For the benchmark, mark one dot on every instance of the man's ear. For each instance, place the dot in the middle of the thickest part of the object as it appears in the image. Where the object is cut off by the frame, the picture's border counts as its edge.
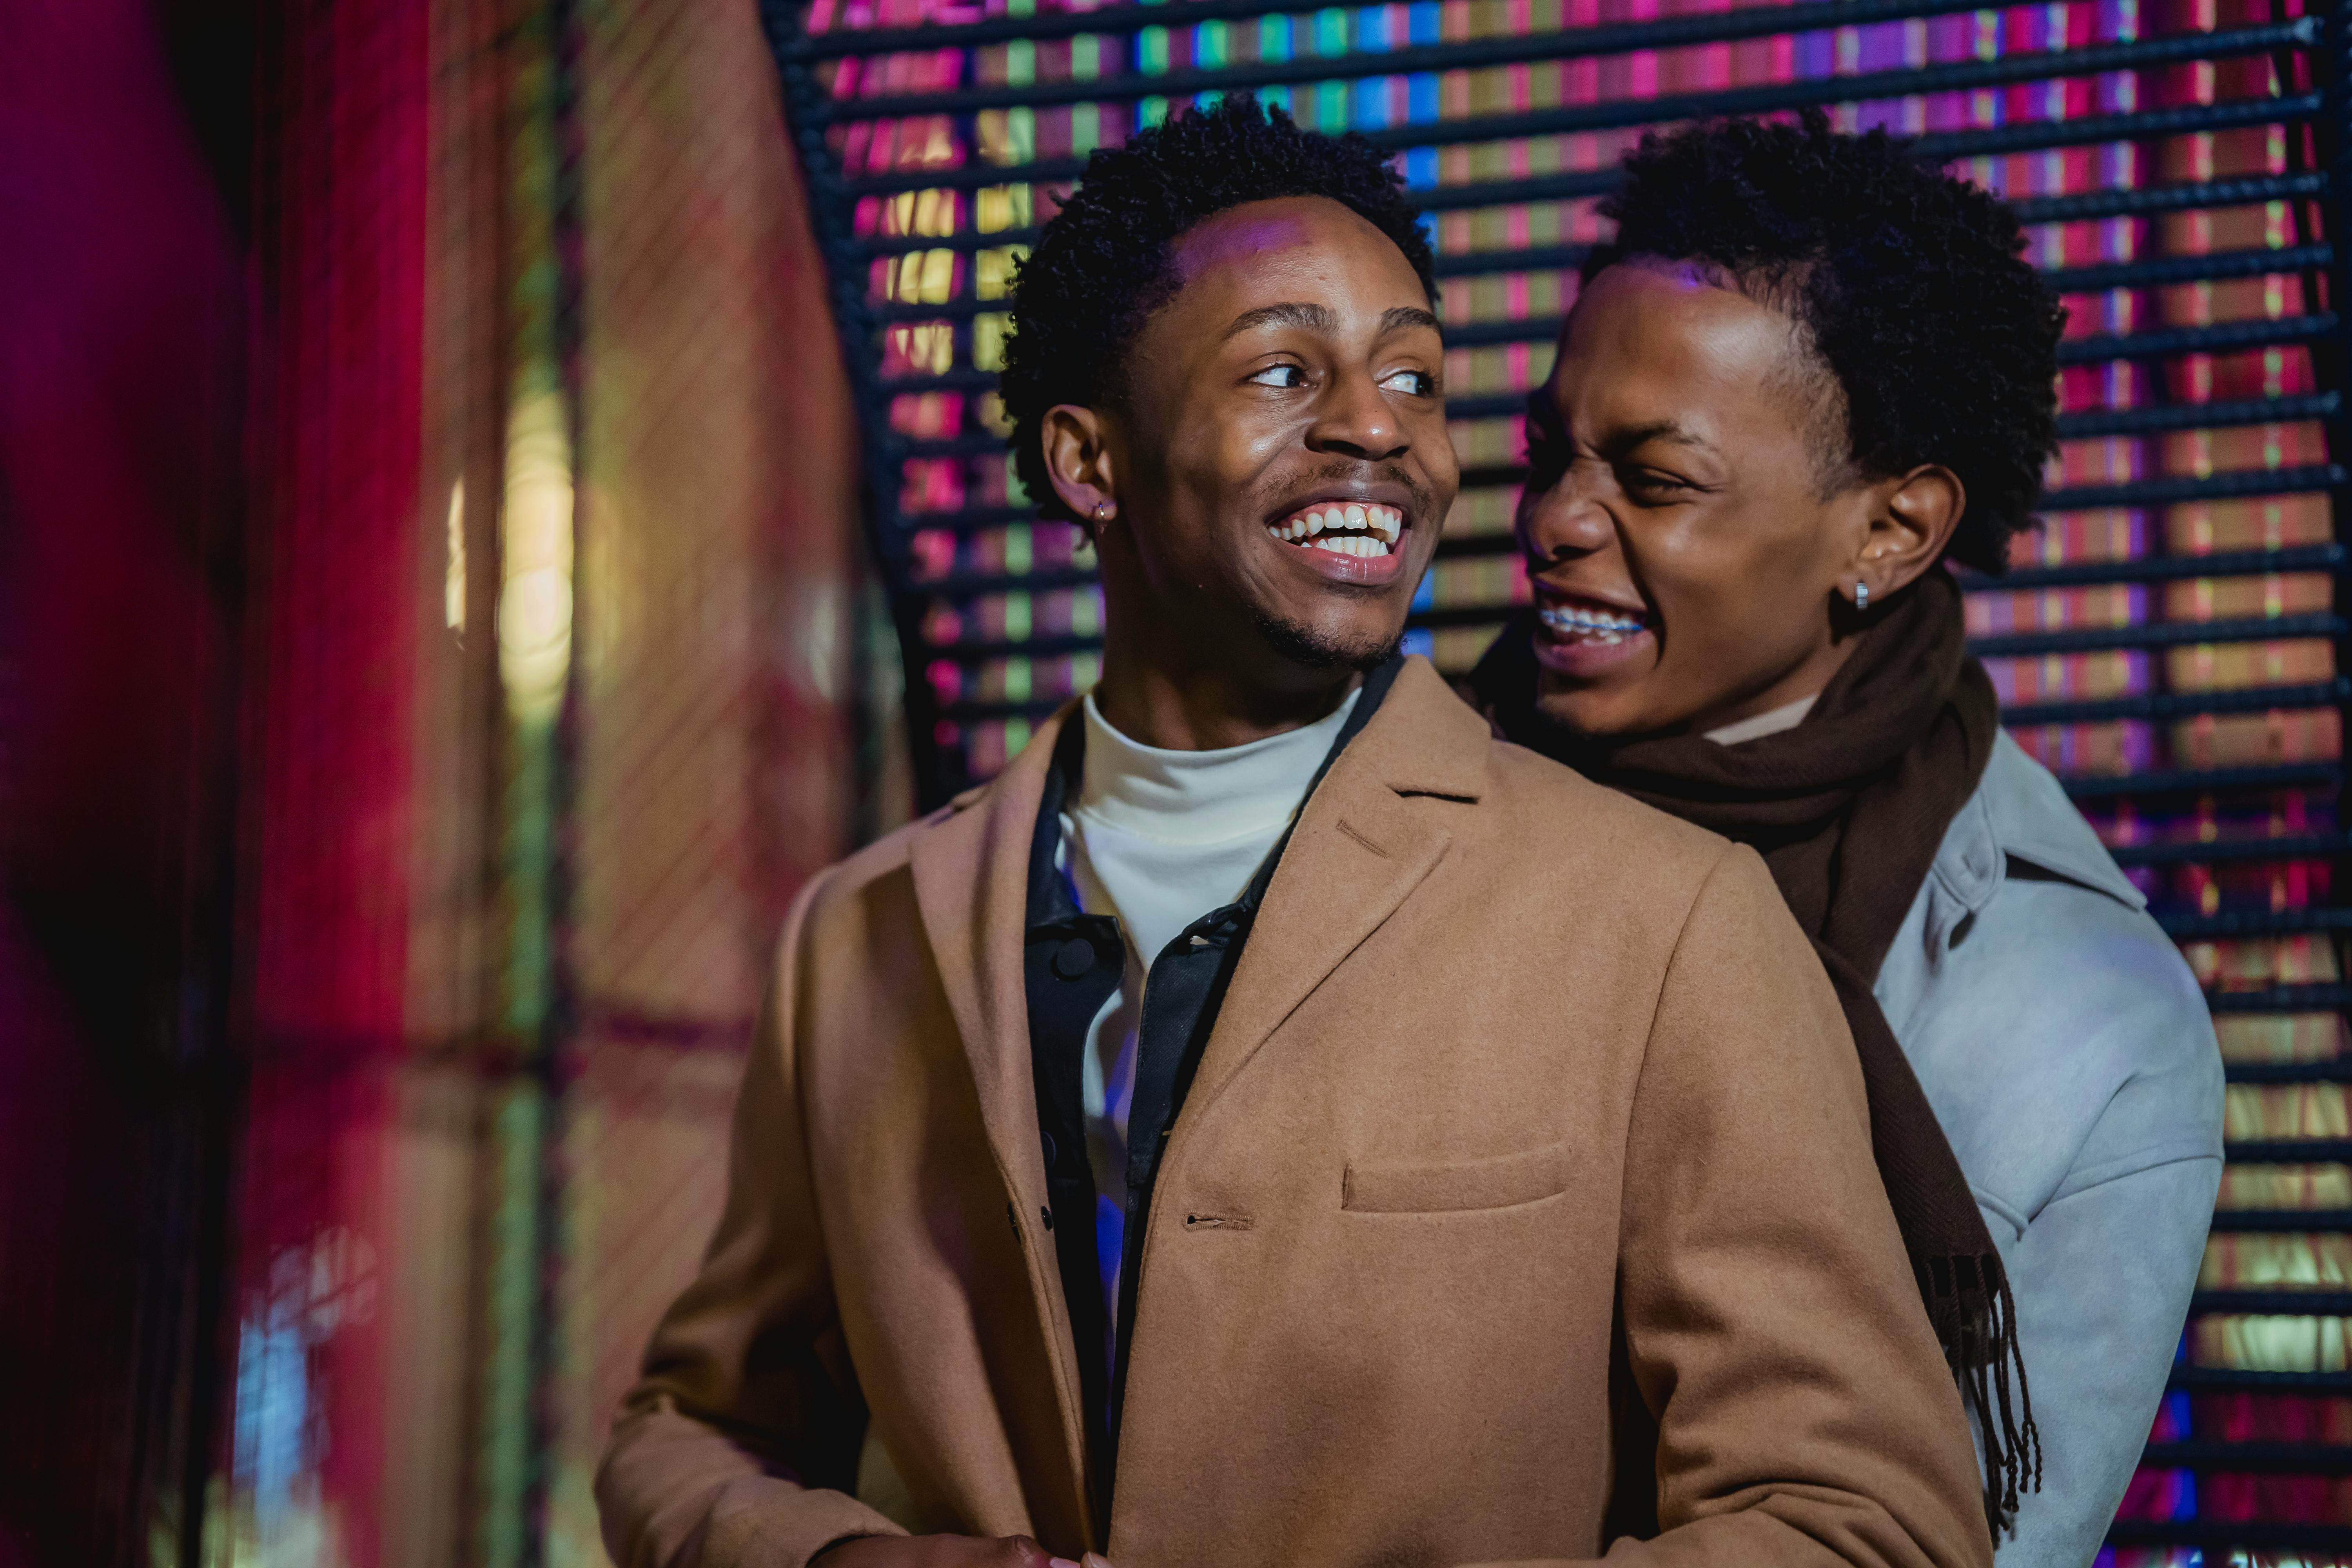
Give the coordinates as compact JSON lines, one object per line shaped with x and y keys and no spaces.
{"x":1076,"y":444}
{"x":1911,"y":519}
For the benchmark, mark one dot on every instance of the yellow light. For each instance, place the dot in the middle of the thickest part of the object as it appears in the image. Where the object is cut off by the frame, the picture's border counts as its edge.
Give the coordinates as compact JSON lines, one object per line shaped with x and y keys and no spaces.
{"x":535,"y":590}
{"x":453,"y":580}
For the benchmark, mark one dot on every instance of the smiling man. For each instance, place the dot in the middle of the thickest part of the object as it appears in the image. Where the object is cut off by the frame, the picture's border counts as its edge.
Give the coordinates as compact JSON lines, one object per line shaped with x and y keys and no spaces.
{"x":1274,"y":1122}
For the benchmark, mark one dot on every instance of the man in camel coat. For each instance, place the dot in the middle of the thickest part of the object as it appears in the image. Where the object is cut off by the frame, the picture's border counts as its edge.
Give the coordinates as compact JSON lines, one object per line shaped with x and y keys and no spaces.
{"x":1274,"y":1122}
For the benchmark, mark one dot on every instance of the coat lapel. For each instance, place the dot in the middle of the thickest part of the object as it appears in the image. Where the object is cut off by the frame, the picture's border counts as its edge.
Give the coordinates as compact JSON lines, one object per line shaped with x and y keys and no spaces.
{"x":971,"y":869}
{"x":1359,"y":851}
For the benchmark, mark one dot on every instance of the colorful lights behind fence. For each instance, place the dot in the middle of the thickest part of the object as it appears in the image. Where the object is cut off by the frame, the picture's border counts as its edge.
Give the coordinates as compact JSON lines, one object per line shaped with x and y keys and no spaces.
{"x":2168,"y":642}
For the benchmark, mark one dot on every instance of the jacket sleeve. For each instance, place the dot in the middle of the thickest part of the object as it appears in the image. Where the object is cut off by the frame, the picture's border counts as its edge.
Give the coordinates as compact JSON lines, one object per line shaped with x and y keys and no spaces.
{"x":729,"y":1451}
{"x":2096,"y":1358}
{"x":2104,"y":1272}
{"x":1772,"y":1324}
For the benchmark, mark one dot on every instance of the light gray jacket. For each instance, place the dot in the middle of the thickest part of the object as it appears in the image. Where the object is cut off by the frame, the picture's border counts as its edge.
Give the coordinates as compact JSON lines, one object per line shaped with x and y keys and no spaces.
{"x":2068,"y":1054}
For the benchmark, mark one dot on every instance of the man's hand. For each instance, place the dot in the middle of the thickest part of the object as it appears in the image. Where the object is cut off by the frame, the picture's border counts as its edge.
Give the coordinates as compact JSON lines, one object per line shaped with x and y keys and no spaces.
{"x":944,"y":1551}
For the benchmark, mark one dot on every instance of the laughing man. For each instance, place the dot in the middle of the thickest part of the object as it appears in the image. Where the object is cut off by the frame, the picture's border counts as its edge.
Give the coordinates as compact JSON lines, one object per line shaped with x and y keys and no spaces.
{"x":1274,"y":1122}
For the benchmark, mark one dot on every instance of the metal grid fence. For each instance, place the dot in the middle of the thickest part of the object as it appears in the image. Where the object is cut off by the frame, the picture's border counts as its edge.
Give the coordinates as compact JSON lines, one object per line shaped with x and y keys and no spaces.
{"x":2168,"y":642}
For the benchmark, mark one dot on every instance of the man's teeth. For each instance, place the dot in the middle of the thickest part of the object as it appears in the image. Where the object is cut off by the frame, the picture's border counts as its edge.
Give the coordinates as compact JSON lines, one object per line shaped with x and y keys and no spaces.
{"x":1343,"y":527}
{"x":1591,"y":626}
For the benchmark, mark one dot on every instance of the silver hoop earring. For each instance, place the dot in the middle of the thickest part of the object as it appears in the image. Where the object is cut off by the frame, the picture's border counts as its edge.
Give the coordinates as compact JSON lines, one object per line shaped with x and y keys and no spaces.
{"x":1102,"y":511}
{"x":1861,"y":596}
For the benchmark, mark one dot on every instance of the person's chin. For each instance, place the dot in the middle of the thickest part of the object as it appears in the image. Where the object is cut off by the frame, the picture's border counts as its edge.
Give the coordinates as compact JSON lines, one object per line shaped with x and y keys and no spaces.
{"x":1329,"y":632}
{"x":1589,"y":706}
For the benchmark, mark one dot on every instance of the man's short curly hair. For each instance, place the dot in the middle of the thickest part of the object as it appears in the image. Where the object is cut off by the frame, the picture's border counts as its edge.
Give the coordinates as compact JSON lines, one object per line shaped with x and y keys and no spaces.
{"x":1102,"y":265}
{"x":1911,"y":286}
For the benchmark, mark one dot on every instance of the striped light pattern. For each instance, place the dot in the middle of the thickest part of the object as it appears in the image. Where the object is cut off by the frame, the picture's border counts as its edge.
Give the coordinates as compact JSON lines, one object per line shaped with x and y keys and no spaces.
{"x":2169,"y":641}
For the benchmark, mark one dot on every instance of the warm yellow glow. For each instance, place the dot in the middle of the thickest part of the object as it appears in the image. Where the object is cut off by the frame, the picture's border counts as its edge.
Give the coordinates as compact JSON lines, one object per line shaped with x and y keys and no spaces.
{"x":928,"y":347}
{"x":987,"y":342}
{"x":453,"y":581}
{"x":1001,"y":207}
{"x":992,"y":271}
{"x":535,"y":531}
{"x":923,"y":277}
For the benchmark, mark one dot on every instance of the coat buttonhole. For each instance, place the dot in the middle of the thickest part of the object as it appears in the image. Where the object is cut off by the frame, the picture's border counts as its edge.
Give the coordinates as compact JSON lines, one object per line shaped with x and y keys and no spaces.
{"x":1216,"y":1222}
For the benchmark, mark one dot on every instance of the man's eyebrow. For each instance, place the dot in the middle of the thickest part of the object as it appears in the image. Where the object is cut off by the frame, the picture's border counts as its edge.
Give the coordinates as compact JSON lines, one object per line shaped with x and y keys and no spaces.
{"x":1666,"y":430}
{"x":1400,"y":316}
{"x":1313,"y":317}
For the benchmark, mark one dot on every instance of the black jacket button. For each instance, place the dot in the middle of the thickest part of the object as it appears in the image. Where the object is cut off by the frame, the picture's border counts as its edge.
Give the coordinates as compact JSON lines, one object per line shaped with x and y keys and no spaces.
{"x":1074,"y":958}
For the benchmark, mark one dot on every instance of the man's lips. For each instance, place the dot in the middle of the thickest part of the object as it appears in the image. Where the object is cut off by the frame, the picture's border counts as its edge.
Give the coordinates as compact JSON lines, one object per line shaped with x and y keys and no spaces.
{"x":1365,"y":530}
{"x":1345,"y":540}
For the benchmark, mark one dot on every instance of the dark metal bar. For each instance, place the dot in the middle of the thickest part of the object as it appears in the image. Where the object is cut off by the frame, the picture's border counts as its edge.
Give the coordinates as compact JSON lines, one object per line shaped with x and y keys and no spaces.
{"x":1572,"y":184}
{"x":2312,"y":1458}
{"x":2082,"y":425}
{"x":1943,"y":146}
{"x":2149,"y":273}
{"x":2275,"y":922}
{"x":1116,"y":21}
{"x":2162,"y":269}
{"x":2283,"y":1000}
{"x":2221,"y":337}
{"x":2316,"y":1000}
{"x":2147,"y":569}
{"x":974,"y":709}
{"x":1765,"y":98}
{"x":2219,"y":1536}
{"x":2239,"y":192}
{"x":2226,"y":1377}
{"x":958,"y":588}
{"x":2164,"y":568}
{"x":2337,"y":1071}
{"x":2216,"y":486}
{"x":1047,"y":646}
{"x":2143,"y":125}
{"x":978,"y":444}
{"x":2156,"y":705}
{"x":2147,"y":634}
{"x":2202,"y":781}
{"x":2289,"y":1151}
{"x":2284,"y":1303}
{"x":2156,"y":633}
{"x":2086,"y":423}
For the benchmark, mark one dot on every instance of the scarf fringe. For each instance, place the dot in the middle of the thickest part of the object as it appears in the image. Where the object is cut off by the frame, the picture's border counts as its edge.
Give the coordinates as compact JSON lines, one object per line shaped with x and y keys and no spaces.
{"x":1975,"y":1320}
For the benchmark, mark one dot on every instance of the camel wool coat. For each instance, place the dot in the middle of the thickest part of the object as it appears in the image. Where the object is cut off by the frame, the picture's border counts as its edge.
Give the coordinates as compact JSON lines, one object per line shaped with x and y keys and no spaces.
{"x":1525,"y":1101}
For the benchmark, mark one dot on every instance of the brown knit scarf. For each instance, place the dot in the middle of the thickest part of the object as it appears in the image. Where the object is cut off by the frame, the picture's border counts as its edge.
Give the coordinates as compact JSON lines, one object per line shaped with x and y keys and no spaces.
{"x":1848,"y":809}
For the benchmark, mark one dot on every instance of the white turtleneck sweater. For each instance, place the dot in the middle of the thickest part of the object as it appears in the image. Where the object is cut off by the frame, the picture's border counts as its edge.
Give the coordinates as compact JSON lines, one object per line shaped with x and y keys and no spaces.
{"x":1773,"y":721}
{"x":1156,"y":839}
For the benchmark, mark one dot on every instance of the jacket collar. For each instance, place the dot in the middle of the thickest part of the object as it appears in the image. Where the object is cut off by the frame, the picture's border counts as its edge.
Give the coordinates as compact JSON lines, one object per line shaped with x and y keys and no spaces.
{"x":2019,"y":810}
{"x":1355,"y":853}
{"x":972,"y":868}
{"x":1358,"y":849}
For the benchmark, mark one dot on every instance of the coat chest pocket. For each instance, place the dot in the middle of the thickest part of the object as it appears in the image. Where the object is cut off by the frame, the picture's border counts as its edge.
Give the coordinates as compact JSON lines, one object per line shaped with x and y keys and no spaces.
{"x":1500,"y":1181}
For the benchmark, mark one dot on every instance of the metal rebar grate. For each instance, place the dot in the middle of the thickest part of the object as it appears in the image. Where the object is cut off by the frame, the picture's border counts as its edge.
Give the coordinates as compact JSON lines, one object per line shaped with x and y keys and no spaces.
{"x":2168,"y":642}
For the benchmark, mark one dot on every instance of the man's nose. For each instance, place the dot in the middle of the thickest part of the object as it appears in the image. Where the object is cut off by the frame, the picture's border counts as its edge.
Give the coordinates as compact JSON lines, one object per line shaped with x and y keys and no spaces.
{"x":1354,"y":420}
{"x":1564,"y":522}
